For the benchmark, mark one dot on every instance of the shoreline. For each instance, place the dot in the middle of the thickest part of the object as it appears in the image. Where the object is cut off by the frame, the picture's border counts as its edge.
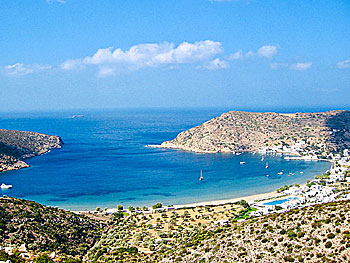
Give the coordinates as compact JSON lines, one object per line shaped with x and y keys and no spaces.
{"x":248,"y":198}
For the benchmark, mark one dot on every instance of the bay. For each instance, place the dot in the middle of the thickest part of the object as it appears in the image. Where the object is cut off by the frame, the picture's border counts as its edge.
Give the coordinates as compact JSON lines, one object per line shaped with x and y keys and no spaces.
{"x":104,"y":161}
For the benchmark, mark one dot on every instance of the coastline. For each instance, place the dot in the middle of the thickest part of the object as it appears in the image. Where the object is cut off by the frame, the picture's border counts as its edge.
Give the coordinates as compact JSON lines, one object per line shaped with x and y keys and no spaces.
{"x":248,"y":198}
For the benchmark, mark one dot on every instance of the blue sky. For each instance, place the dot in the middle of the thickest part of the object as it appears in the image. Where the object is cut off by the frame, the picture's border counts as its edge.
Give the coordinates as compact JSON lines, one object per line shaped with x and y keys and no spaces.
{"x":76,"y":54}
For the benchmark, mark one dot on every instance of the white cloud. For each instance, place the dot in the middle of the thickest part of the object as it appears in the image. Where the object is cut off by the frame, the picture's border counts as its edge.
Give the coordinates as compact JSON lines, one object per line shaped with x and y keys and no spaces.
{"x":301,"y":66}
{"x":72,"y":64}
{"x":267,"y":51}
{"x":278,"y":65}
{"x":344,"y":64}
{"x":111,"y":61}
{"x":22,"y":69}
{"x":237,"y":55}
{"x":217,"y":64}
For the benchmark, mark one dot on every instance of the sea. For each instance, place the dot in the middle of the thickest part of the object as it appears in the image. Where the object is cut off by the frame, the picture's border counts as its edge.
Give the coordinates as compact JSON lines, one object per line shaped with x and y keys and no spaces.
{"x":104,"y":161}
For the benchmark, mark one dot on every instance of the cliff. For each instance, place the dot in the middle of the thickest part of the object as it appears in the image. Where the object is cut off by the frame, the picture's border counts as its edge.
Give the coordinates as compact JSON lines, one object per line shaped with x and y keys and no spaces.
{"x":248,"y":131}
{"x":15,"y":146}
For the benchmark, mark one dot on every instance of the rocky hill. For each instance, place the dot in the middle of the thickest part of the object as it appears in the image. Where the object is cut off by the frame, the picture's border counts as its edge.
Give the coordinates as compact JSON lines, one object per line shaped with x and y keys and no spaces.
{"x":43,"y":228}
{"x":248,"y":131}
{"x":318,"y":233}
{"x":15,"y":146}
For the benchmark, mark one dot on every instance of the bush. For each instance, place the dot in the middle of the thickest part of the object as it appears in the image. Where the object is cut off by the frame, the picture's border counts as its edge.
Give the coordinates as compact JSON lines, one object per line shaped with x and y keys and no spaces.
{"x":288,"y":259}
{"x":328,"y":244}
{"x":71,"y":260}
{"x":43,"y":259}
{"x":291,"y":234}
{"x":157,"y":205}
{"x":331,"y":235}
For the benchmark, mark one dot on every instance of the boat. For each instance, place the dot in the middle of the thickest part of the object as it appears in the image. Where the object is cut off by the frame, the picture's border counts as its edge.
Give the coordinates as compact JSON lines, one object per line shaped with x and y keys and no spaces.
{"x":267,"y":165}
{"x":262,"y":158}
{"x":241,"y":162}
{"x":6,"y":186}
{"x":201,"y":177}
{"x":301,"y":172}
{"x":77,"y":116}
{"x":267,"y":175}
{"x":280,"y":173}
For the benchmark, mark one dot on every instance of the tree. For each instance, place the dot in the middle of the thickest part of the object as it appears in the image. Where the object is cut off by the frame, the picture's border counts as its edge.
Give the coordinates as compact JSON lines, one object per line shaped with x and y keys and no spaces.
{"x":131,"y":209}
{"x":120,"y":207}
{"x":157,"y":205}
{"x":244,"y":203}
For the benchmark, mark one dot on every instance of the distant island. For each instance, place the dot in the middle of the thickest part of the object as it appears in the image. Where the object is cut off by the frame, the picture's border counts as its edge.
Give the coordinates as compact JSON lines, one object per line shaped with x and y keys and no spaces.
{"x":16,"y":146}
{"x":320,"y":134}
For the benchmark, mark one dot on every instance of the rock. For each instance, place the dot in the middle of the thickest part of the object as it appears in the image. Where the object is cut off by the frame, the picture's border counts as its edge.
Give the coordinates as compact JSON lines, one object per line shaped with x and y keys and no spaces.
{"x":248,"y":131}
{"x":15,"y":146}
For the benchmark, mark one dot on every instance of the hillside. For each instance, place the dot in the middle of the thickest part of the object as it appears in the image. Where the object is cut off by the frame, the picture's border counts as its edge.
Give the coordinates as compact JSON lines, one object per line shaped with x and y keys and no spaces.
{"x":43,"y":228}
{"x":15,"y":146}
{"x":318,"y":233}
{"x":234,"y":131}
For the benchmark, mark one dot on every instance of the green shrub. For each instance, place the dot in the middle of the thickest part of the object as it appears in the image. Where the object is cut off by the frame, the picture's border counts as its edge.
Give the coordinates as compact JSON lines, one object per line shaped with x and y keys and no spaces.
{"x":328,"y":244}
{"x":43,"y":259}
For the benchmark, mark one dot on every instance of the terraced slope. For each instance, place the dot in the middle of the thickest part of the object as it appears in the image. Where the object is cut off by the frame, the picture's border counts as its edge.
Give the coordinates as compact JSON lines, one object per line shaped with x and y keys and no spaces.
{"x":248,"y":131}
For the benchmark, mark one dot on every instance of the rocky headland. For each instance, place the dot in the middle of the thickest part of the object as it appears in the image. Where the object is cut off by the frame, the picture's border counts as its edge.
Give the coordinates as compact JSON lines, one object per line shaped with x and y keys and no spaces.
{"x":16,"y":146}
{"x":233,"y":131}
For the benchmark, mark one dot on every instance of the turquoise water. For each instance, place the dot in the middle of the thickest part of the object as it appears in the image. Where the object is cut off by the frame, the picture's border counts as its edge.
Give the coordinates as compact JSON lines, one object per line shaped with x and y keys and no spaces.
{"x":104,"y":162}
{"x":281,"y":201}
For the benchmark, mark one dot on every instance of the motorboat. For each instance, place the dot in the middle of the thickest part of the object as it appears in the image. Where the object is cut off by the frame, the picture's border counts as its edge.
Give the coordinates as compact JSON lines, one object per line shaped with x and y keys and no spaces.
{"x":5,"y":186}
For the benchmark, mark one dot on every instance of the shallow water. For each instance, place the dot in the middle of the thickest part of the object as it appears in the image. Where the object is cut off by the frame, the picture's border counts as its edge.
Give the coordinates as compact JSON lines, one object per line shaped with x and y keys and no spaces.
{"x":104,"y":162}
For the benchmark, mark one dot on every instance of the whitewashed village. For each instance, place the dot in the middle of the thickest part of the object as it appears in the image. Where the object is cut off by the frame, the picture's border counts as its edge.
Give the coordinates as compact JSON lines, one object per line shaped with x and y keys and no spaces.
{"x":329,"y":187}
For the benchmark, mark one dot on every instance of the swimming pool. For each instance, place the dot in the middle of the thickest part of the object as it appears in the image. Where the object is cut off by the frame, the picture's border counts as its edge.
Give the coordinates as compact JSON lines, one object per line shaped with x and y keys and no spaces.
{"x":280,"y":201}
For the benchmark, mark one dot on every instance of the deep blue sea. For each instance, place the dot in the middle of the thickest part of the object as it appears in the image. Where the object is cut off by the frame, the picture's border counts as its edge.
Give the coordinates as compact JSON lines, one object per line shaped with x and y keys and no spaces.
{"x":104,"y":162}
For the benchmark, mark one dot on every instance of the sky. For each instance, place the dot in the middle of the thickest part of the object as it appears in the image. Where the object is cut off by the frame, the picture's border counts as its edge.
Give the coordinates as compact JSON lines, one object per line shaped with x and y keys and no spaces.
{"x":89,"y":54}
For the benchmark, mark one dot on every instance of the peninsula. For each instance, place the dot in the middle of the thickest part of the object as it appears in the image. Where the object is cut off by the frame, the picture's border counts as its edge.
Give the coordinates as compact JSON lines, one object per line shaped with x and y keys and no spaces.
{"x":321,"y":133}
{"x":16,"y":146}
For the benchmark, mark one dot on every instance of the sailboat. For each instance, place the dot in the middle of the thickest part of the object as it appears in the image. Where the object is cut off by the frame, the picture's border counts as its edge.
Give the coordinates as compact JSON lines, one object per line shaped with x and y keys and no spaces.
{"x":201,"y":177}
{"x":262,"y":158}
{"x":267,"y":165}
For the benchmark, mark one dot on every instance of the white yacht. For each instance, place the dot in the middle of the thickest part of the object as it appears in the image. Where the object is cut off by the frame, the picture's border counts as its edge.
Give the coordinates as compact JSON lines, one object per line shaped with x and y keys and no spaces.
{"x":6,"y":186}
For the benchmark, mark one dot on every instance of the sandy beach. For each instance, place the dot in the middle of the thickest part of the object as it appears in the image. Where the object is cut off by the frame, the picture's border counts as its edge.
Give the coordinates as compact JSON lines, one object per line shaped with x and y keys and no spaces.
{"x":248,"y":198}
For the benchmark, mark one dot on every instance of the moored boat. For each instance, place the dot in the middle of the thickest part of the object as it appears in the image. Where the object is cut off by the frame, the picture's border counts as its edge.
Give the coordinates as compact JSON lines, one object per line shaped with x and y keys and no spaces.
{"x":201,"y":177}
{"x":5,"y":186}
